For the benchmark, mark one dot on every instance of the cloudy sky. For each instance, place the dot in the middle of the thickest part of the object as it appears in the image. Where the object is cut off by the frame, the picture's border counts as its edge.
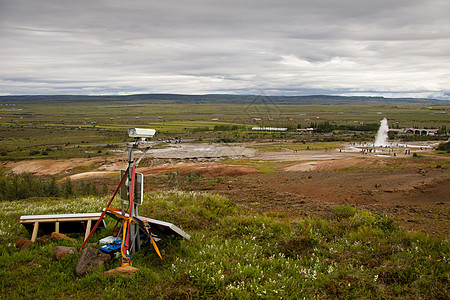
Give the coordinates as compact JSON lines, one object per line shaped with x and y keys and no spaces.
{"x":392,"y":48}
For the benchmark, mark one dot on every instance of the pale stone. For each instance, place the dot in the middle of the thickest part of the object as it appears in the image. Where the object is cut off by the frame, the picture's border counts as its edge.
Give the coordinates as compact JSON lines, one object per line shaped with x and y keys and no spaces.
{"x":60,"y":236}
{"x":61,"y":251}
{"x":125,"y":270}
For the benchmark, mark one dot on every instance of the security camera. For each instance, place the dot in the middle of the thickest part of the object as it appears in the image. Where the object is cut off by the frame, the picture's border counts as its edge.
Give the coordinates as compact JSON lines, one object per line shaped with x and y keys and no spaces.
{"x":141,"y":132}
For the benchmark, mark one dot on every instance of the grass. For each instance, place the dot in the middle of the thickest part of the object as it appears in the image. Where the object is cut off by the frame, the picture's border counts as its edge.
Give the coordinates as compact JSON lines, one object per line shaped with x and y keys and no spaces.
{"x":53,"y":142}
{"x":263,"y":166}
{"x":439,"y":164}
{"x":36,"y":124}
{"x":234,"y":254}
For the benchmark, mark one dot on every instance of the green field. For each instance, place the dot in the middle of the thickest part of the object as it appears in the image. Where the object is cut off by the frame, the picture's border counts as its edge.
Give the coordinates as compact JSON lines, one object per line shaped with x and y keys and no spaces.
{"x":234,"y":252}
{"x":232,"y":255}
{"x":31,"y":126}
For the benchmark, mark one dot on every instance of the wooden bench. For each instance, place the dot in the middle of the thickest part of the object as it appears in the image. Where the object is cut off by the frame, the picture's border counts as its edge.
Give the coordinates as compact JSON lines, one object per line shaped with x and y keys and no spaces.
{"x":68,"y":222}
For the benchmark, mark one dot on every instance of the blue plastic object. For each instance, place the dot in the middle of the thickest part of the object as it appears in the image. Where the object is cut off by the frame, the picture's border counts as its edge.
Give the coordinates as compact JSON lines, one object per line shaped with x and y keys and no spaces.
{"x":112,"y":247}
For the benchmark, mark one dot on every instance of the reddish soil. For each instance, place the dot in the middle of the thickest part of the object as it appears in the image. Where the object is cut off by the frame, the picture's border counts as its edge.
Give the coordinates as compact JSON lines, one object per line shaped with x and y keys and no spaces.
{"x":207,"y":169}
{"x":417,"y":198}
{"x":309,"y":183}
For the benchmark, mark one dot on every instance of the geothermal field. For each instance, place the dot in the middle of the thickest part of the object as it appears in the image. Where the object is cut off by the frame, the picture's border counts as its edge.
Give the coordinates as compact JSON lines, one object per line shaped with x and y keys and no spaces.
{"x":343,"y":203}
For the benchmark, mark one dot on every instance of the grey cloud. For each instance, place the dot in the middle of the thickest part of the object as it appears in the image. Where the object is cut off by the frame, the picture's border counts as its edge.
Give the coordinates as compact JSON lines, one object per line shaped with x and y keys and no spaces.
{"x":193,"y":46}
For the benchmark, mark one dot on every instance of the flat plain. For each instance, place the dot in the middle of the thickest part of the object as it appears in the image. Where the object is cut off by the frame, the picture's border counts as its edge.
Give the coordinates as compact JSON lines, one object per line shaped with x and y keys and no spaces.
{"x":345,"y":223}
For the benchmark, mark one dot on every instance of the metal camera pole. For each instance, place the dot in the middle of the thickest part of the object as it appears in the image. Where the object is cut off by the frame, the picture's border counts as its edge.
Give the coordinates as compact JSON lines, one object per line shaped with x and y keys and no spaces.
{"x":133,"y":231}
{"x":131,"y":188}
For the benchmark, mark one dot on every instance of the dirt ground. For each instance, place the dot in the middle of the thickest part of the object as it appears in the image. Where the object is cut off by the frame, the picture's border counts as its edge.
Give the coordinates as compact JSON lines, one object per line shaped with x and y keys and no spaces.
{"x":414,"y":191}
{"x":417,"y":198}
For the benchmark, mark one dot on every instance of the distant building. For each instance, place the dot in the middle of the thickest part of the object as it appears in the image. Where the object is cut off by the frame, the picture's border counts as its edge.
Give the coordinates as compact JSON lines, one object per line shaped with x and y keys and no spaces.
{"x":419,"y":131}
{"x":215,"y":119}
{"x":422,"y":131}
{"x":305,"y":130}
{"x":268,"y":129}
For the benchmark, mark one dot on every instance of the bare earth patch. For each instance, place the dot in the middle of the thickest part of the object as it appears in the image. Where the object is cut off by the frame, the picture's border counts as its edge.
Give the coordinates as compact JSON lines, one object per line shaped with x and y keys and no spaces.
{"x":414,"y":191}
{"x":207,"y":169}
{"x":86,"y":175}
{"x":50,"y":166}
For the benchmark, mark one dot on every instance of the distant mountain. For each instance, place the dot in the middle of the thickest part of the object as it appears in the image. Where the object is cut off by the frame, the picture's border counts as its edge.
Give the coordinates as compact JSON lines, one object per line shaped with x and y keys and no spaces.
{"x":224,"y":99}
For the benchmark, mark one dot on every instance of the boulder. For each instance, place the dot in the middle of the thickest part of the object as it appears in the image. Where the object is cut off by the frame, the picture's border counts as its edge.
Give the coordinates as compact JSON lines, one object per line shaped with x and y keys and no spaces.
{"x":26,"y":245}
{"x":20,"y":242}
{"x":61,"y":251}
{"x":90,"y":259}
{"x":56,"y":236}
{"x":43,"y":239}
{"x":125,"y":270}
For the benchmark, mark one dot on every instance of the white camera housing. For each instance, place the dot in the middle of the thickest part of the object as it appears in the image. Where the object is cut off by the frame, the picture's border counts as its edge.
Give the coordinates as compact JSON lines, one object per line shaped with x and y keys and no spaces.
{"x":141,"y":133}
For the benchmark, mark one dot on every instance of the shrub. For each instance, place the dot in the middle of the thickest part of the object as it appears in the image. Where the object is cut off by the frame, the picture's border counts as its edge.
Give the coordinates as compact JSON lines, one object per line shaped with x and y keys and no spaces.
{"x":21,"y":186}
{"x":67,"y":190}
{"x":343,"y":211}
{"x":444,"y":147}
{"x":28,"y":185}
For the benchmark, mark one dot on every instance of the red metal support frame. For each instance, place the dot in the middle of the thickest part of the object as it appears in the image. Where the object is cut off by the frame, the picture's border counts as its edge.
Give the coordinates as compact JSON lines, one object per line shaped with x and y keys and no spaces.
{"x":104,"y":211}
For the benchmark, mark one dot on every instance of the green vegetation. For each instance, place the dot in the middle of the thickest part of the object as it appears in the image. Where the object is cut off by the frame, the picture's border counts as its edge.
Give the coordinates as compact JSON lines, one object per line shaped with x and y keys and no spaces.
{"x":263,"y":166}
{"x":233,"y":254}
{"x":444,"y":147}
{"x":229,"y":99}
{"x":26,"y":185}
{"x":77,"y":126}
{"x":329,"y":127}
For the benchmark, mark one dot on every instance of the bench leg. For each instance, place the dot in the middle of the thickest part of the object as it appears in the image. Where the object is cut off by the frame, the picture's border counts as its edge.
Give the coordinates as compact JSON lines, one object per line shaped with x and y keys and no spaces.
{"x":57,"y":227}
{"x":35,"y":231}
{"x":88,"y":229}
